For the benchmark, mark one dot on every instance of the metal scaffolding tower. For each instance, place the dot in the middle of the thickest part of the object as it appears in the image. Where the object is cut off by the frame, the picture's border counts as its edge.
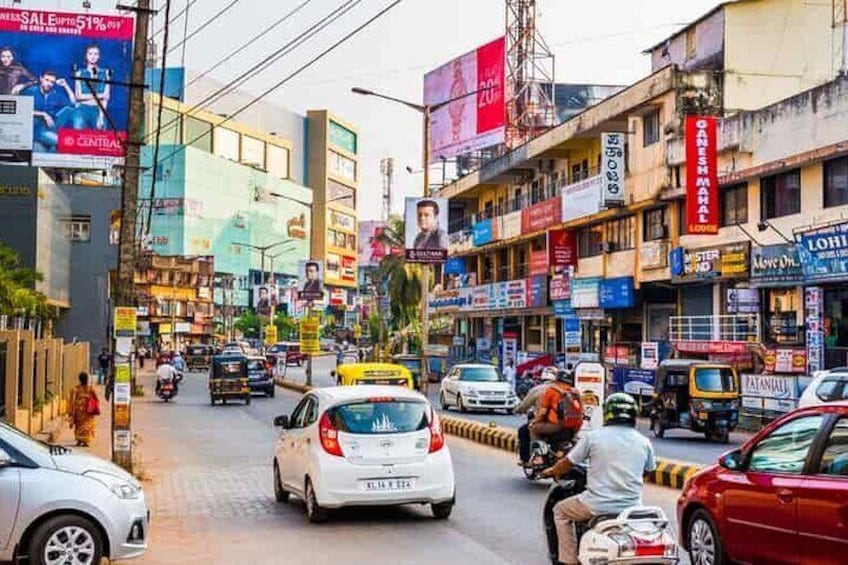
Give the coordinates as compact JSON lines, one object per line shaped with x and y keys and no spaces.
{"x":387,"y":168}
{"x":530,"y":75}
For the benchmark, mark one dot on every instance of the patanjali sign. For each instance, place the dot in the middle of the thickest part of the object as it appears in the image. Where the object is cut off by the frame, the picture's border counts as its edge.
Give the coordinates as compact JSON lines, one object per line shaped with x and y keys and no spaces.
{"x":701,"y":176}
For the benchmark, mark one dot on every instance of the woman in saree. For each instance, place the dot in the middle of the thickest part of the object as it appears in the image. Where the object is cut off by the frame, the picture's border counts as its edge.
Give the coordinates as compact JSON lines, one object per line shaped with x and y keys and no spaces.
{"x":83,"y":411}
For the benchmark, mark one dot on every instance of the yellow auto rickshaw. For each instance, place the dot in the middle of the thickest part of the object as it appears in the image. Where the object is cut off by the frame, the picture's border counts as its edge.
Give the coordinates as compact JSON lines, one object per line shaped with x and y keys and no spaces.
{"x":373,"y":374}
{"x":698,"y":395}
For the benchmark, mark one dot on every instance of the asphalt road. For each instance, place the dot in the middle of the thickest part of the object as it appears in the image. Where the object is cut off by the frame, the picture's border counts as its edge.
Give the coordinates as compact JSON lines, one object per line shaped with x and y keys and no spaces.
{"x":679,"y":445}
{"x":210,"y":494}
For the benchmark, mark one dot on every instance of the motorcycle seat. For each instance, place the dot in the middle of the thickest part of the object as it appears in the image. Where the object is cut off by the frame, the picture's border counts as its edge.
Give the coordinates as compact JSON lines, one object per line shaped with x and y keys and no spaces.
{"x":595,"y":520}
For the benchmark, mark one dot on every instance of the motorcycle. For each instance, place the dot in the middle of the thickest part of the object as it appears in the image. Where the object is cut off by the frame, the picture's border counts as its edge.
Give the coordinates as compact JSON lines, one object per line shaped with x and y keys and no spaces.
{"x":638,"y":535}
{"x":544,"y":454}
{"x":168,"y":389}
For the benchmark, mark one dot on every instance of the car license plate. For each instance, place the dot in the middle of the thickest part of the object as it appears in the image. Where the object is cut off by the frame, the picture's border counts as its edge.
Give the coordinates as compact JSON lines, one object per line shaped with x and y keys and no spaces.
{"x":387,"y":485}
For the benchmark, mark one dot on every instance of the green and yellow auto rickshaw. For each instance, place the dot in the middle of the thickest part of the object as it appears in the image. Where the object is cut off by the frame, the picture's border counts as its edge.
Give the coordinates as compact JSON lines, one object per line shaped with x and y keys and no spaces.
{"x":228,"y":379}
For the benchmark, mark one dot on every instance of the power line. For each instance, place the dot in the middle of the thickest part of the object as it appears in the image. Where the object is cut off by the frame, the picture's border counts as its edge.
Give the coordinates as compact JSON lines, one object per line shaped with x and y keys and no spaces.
{"x":272,"y":58}
{"x":248,"y":43}
{"x":292,"y":75}
{"x":178,"y":16}
{"x":206,"y":24}
{"x":185,"y":33}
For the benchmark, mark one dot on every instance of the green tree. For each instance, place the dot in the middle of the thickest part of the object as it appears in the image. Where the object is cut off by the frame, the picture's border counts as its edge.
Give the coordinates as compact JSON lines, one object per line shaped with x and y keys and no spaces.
{"x":248,"y":324}
{"x":17,"y":294}
{"x":286,"y":326}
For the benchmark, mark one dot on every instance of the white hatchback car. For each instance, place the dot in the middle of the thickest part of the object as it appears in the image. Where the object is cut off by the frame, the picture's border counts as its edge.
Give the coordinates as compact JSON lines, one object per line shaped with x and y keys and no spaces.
{"x":365,"y":445}
{"x":476,"y":386}
{"x":826,"y":386}
{"x":59,"y":506}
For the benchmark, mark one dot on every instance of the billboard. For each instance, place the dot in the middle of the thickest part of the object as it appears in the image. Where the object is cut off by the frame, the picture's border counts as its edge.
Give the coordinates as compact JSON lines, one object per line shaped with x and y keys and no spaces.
{"x":426,"y":234}
{"x":264,"y":299}
{"x":16,"y":126}
{"x":612,"y":168}
{"x":310,"y":276}
{"x":474,"y":121}
{"x":371,"y":249}
{"x":69,"y":64}
{"x":701,"y":175}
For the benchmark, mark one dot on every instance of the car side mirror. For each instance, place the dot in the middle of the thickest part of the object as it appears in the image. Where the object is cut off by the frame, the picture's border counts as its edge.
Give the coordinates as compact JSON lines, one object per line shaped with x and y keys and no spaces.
{"x":733,"y":461}
{"x":282,"y":422}
{"x":5,"y":460}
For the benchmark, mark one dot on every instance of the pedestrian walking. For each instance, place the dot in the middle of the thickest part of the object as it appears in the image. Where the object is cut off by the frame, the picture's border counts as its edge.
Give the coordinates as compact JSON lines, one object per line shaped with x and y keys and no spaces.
{"x":84,"y":409}
{"x":104,"y":360}
{"x":142,"y":353}
{"x":509,"y":373}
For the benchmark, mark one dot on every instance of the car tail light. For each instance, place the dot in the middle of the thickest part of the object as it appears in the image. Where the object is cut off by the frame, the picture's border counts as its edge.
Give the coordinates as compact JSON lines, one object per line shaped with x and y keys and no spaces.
{"x":329,"y":436}
{"x":437,"y":435}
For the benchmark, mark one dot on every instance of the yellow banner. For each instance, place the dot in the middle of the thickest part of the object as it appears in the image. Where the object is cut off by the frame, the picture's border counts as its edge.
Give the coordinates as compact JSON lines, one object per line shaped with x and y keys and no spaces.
{"x":309,"y":333}
{"x":124,"y":322}
{"x":270,"y":335}
{"x":122,"y":373}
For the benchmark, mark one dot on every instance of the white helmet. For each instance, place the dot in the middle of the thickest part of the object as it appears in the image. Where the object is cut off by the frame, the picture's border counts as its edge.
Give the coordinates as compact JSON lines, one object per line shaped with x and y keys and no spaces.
{"x":549,"y":375}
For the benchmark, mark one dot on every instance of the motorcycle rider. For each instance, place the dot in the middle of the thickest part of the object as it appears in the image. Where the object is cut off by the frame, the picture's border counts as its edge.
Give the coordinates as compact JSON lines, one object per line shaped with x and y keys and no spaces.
{"x":166,"y":373}
{"x":546,"y":425}
{"x":618,"y":457}
{"x":531,"y":401}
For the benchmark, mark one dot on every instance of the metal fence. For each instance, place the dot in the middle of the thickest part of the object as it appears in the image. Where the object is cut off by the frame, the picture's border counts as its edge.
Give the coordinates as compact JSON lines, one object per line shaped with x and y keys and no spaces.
{"x":729,"y":328}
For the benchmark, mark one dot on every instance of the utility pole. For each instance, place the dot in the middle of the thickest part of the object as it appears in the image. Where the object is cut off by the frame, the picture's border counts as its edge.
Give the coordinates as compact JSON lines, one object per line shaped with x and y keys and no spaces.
{"x":127,"y":260}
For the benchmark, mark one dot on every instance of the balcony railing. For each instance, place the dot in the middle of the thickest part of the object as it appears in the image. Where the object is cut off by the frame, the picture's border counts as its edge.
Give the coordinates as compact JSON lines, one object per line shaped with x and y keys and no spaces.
{"x":738,"y":328}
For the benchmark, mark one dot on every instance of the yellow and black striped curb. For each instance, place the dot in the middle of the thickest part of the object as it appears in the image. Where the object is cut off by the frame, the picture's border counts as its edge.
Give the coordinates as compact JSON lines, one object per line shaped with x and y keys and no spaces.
{"x":669,"y":473}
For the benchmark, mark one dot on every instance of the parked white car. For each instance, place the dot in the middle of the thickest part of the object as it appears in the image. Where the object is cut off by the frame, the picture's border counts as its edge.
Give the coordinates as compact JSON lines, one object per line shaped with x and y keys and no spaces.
{"x":473,"y":386}
{"x":59,"y":506}
{"x":826,"y":386}
{"x":363,"y":445}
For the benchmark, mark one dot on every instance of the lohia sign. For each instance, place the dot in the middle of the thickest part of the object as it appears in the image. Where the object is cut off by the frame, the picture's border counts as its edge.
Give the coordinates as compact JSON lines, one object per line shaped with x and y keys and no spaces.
{"x":701,"y":175}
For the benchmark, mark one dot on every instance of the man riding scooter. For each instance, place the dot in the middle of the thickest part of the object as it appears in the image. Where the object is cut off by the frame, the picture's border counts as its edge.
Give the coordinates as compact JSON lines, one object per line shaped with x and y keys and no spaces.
{"x":549,"y":424}
{"x":167,"y":373}
{"x":618,"y":456}
{"x":530,"y":404}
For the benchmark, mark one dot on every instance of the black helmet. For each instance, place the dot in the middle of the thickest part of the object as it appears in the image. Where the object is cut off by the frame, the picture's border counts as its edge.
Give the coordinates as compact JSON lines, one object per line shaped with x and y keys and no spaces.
{"x":620,"y":408}
{"x":565,"y":376}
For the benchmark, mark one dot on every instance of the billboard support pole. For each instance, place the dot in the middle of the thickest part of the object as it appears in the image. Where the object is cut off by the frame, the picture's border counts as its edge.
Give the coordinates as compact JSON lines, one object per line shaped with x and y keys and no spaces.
{"x":425,"y":274}
{"x":124,"y":295}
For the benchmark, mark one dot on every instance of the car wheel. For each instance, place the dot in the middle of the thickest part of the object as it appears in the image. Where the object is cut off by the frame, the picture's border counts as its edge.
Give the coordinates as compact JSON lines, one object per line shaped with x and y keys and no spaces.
{"x":460,"y":405}
{"x":657,"y":427}
{"x":705,"y":547}
{"x":314,"y":512}
{"x":247,"y":400}
{"x":66,"y":539}
{"x":442,"y":510}
{"x":272,"y":391}
{"x":280,"y":494}
{"x":443,"y":401}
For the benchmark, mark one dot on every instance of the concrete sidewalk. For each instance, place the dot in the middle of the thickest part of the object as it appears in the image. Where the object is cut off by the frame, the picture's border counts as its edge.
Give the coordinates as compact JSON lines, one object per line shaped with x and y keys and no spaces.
{"x":59,"y":431}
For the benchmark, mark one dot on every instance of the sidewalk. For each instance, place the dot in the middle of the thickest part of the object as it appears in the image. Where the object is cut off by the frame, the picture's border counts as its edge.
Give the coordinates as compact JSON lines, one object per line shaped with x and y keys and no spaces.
{"x":101,"y":447}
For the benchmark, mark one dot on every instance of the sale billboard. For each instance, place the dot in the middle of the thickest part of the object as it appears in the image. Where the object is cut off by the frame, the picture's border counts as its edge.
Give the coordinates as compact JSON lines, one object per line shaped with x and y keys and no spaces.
{"x":75,"y":68}
{"x":476,"y":117}
{"x":701,"y":175}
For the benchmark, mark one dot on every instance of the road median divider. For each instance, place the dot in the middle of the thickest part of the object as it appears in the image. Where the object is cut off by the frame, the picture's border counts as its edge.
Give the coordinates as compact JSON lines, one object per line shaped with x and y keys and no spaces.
{"x":291,"y":385}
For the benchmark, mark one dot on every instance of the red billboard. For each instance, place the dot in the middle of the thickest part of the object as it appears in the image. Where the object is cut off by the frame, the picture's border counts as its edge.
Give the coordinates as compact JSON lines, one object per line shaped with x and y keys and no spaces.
{"x":539,"y":216}
{"x":474,"y":121}
{"x":538,"y":262}
{"x":702,"y":206}
{"x":562,"y":247}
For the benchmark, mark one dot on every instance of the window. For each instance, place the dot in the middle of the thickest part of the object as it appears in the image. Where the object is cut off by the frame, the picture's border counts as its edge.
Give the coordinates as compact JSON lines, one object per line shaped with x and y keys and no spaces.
{"x":78,"y":229}
{"x":691,"y":42}
{"x":620,"y":233}
{"x":781,"y":195}
{"x":681,"y":218}
{"x":198,"y":134}
{"x":655,"y":224}
{"x":278,"y":161}
{"x":734,"y":205}
{"x":171,"y":126}
{"x":380,"y":416}
{"x":651,"y":128}
{"x":341,"y":166}
{"x":225,"y":143}
{"x":715,"y":380}
{"x":834,"y":460}
{"x":836,"y":182}
{"x":344,"y":195}
{"x":589,"y":240}
{"x":253,"y":151}
{"x":785,"y":449}
{"x":831,"y":389}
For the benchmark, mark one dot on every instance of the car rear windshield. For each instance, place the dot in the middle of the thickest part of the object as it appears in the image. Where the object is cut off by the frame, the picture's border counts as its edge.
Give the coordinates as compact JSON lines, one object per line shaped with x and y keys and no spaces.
{"x":277,"y":348}
{"x":256,"y":365}
{"x":380,"y":417}
{"x":715,"y":380}
{"x":481,"y":375}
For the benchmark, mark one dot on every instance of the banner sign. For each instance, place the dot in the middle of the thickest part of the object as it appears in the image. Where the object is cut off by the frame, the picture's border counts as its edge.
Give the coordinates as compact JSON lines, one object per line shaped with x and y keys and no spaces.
{"x":475,"y":121}
{"x":590,"y":381}
{"x":585,"y":293}
{"x":482,"y":232}
{"x":769,"y":386}
{"x":563,"y":309}
{"x":455,"y":266}
{"x":309,"y":335}
{"x":638,"y":382}
{"x":581,"y":199}
{"x":539,"y":262}
{"x":814,"y":313}
{"x":560,"y":287}
{"x":724,"y":261}
{"x":743,"y":300}
{"x":66,"y":63}
{"x":650,"y":355}
{"x":511,"y":225}
{"x":617,"y":292}
{"x":541,"y":215}
{"x":426,"y":234}
{"x":824,"y":253}
{"x":537,"y":292}
{"x":562,"y":248}
{"x":776,"y":265}
{"x":702,"y":206}
{"x":612,"y":168}
{"x":786,"y":360}
{"x":16,"y":127}
{"x":124,"y":323}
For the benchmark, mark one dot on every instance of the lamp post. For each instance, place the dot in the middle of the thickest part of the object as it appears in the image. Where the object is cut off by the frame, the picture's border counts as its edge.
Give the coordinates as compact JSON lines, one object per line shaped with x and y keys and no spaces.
{"x":426,"y":111}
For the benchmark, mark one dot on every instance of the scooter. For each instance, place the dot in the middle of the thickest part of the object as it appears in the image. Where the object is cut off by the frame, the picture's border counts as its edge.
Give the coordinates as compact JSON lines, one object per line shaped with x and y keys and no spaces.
{"x":544,"y":454}
{"x":638,"y":535}
{"x":167,"y":390}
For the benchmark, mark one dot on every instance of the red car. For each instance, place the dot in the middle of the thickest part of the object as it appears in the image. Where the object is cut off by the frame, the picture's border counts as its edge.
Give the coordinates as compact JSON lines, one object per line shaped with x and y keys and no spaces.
{"x":781,"y":498}
{"x":290,"y":351}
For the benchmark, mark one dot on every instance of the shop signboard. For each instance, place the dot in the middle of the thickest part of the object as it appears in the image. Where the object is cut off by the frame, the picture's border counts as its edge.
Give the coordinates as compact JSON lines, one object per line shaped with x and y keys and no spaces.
{"x":515,"y":293}
{"x":735,"y":260}
{"x":650,"y":355}
{"x":562,"y":248}
{"x":776,"y":266}
{"x":722,"y":261}
{"x":537,"y":291}
{"x":743,"y":300}
{"x":711,"y":347}
{"x":617,"y":355}
{"x":814,"y":311}
{"x":560,"y":287}
{"x":581,"y":199}
{"x":590,"y":381}
{"x":612,"y":168}
{"x":702,"y":206}
{"x":124,"y":322}
{"x":542,"y":215}
{"x":573,"y":339}
{"x":563,"y":309}
{"x":585,"y":293}
{"x":616,"y":293}
{"x":511,"y":225}
{"x":638,"y":382}
{"x":460,"y":241}
{"x":539,"y":262}
{"x":455,"y":266}
{"x":785,"y":360}
{"x":653,"y":255}
{"x":480,"y":297}
{"x":769,"y":395}
{"x":824,"y":253}
{"x":482,"y":232}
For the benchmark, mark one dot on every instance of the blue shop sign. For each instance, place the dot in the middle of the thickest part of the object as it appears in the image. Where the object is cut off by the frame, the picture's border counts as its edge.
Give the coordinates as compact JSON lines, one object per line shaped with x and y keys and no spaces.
{"x":455,"y":266}
{"x":483,"y":233}
{"x":537,"y":291}
{"x":776,"y":265}
{"x":824,"y":253}
{"x":563,"y":309}
{"x":617,"y":293}
{"x":675,"y":262}
{"x":633,"y":381}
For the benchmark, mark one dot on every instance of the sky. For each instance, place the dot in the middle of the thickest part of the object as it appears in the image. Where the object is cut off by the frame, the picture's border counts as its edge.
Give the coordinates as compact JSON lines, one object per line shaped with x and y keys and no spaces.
{"x":596,"y":42}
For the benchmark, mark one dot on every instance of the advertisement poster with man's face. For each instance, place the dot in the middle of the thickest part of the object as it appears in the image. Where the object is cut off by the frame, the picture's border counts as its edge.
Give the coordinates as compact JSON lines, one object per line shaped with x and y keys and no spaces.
{"x":264,"y":299}
{"x":71,"y":66}
{"x":426,"y":230}
{"x":310,"y":280}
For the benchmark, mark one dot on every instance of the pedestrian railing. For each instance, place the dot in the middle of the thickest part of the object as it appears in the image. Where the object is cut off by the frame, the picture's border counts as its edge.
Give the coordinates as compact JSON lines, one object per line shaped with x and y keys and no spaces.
{"x":728,"y":328}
